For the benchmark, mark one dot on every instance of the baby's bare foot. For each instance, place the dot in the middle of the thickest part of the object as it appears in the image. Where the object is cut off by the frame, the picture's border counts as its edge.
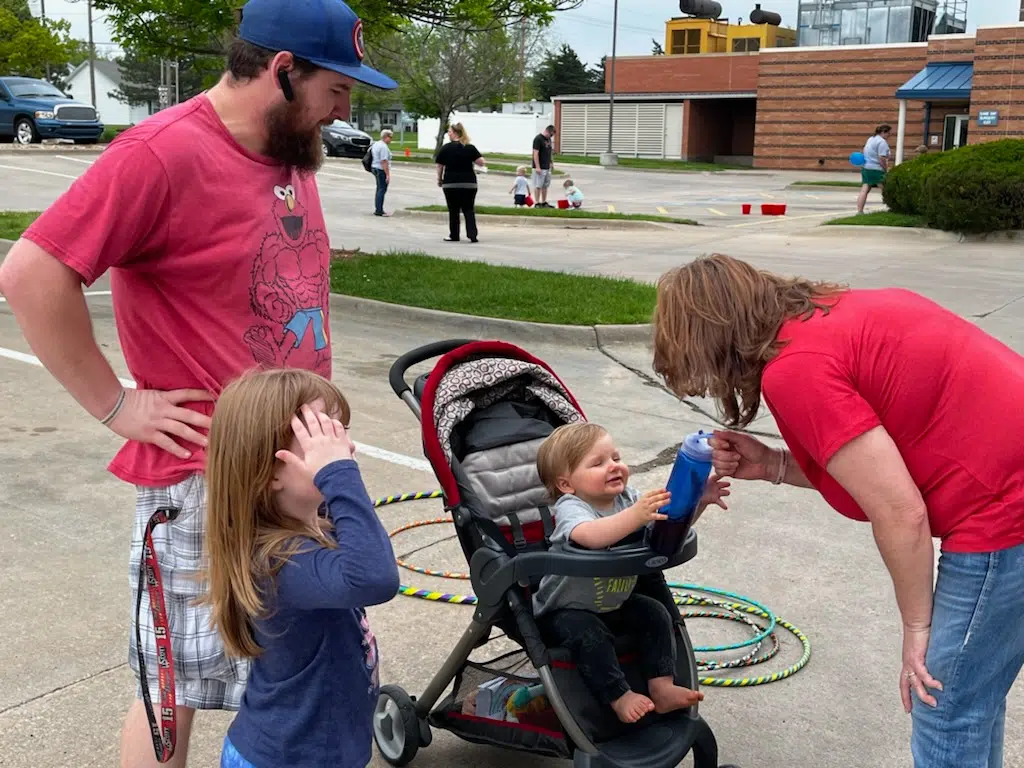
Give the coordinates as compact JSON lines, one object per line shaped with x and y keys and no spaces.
{"x":668,"y":697}
{"x":631,"y":706}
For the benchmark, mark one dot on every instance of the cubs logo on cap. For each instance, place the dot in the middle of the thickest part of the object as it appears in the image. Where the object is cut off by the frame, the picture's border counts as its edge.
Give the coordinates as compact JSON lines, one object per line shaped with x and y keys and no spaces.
{"x":357,"y":38}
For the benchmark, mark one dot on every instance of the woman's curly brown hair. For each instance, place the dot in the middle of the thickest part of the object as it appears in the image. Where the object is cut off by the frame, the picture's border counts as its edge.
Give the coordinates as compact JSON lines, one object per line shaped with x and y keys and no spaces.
{"x":715,"y":328}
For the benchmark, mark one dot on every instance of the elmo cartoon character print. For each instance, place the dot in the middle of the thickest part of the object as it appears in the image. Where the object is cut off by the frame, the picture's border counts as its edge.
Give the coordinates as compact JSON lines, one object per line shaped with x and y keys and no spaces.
{"x":290,"y":291}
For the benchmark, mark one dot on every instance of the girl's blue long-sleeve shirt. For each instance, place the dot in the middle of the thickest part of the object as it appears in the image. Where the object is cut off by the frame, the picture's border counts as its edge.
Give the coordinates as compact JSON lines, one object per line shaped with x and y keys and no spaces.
{"x":310,"y":696}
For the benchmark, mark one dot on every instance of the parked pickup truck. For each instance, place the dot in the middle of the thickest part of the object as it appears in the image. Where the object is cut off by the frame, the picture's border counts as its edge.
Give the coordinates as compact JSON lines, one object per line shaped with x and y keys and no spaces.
{"x":32,"y":110}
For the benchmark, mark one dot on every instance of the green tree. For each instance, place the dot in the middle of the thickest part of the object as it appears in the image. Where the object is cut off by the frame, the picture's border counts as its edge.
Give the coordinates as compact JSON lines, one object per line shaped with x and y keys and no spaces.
{"x":174,"y":29}
{"x":140,"y":77}
{"x":561,"y":72}
{"x":597,"y":78}
{"x":442,"y":68}
{"x":28,"y":45}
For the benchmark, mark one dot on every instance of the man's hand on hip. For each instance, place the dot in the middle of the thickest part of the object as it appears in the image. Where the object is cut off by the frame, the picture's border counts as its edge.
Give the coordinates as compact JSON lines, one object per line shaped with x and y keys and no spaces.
{"x":152,"y":416}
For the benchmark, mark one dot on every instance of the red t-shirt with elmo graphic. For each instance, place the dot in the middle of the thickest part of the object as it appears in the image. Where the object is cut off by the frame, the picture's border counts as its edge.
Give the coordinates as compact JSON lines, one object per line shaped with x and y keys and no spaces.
{"x":218,"y":259}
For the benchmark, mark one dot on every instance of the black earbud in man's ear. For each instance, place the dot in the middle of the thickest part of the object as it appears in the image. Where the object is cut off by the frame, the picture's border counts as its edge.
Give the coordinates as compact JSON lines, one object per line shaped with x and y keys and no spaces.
{"x":286,"y":84}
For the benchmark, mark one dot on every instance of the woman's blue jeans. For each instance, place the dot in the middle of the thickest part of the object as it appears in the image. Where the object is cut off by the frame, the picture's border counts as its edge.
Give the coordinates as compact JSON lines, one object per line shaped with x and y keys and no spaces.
{"x":976,"y":651}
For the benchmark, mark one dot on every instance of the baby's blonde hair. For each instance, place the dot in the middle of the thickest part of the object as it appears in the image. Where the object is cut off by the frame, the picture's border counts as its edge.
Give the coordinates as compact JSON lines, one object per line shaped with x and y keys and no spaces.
{"x":563,"y":451}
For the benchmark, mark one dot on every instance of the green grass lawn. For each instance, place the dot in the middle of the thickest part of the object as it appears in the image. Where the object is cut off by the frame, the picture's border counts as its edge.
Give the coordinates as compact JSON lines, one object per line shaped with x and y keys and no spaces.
{"x":13,"y":223}
{"x":882,"y":219}
{"x":476,"y":288}
{"x":472,"y":288}
{"x":825,"y":184}
{"x":499,"y":210}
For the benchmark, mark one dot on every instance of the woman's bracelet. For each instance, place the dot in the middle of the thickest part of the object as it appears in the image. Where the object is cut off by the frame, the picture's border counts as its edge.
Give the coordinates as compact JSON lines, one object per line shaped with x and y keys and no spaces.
{"x":115,"y":410}
{"x":783,"y":467}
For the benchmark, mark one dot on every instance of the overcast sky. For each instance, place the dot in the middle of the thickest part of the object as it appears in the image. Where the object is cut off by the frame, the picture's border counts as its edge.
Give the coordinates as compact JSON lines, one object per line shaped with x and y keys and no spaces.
{"x":588,"y":29}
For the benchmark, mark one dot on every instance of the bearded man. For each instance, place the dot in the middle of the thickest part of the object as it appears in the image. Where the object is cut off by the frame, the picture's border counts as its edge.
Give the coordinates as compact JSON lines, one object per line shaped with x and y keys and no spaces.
{"x":208,"y":218}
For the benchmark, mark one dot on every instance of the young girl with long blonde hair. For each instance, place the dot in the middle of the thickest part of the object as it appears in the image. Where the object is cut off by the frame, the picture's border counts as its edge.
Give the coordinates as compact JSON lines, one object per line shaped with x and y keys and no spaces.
{"x":296,"y":552}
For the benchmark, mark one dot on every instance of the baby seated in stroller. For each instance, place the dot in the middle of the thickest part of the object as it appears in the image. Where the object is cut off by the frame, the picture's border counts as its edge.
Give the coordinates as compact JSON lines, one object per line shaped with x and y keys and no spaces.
{"x":595,"y":508}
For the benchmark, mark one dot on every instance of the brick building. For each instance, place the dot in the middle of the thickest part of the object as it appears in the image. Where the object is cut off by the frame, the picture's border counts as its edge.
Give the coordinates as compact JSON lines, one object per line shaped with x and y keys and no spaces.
{"x":806,"y":107}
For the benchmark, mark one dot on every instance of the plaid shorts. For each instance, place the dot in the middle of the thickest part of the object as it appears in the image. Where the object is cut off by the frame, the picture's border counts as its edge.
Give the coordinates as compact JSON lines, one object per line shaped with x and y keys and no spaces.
{"x":204,"y":676}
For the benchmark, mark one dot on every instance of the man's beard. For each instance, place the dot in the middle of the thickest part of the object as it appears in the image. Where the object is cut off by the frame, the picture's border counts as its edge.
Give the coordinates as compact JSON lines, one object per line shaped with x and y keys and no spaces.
{"x":290,"y":143}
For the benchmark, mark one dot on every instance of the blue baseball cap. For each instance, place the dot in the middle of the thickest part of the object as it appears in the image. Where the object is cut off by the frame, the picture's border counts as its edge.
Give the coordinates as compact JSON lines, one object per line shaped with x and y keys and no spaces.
{"x":326,"y":33}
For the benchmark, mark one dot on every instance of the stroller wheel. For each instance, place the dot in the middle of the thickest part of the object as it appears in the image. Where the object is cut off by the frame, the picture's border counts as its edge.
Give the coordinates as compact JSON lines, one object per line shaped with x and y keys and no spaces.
{"x":396,"y":728}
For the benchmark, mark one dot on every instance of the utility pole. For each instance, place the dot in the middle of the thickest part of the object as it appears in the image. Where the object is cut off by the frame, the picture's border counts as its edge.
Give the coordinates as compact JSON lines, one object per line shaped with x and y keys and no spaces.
{"x":42,"y":18}
{"x":92,"y":55}
{"x":522,"y":54}
{"x":609,"y":157}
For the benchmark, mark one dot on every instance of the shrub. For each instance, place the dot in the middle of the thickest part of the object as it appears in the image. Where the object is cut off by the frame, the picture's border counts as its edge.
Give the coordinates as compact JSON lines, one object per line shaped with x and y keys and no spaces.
{"x":904,"y":185}
{"x":978,"y":188}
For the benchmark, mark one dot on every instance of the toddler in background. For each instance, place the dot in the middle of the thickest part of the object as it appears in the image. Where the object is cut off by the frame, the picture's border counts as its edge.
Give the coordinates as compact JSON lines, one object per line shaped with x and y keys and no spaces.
{"x":295,"y":552}
{"x":521,"y":187}
{"x":573,"y":194}
{"x":595,"y":507}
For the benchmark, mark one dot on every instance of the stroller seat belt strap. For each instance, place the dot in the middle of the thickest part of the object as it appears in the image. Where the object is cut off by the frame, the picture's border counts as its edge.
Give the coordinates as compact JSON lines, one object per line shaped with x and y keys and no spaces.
{"x":517,"y":531}
{"x":548,"y":522}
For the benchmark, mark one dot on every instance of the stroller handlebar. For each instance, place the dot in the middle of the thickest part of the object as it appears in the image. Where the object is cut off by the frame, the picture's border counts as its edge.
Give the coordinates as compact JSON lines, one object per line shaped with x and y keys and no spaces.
{"x":413,"y":357}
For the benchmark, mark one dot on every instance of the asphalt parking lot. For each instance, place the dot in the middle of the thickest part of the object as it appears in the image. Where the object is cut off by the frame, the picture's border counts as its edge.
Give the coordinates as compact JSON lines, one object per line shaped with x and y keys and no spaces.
{"x":713,"y":199}
{"x":64,"y":678}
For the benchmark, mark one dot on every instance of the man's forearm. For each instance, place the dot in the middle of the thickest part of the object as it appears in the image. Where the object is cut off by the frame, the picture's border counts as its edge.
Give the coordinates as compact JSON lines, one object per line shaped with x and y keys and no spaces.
{"x":908,"y":553}
{"x":47,"y":301}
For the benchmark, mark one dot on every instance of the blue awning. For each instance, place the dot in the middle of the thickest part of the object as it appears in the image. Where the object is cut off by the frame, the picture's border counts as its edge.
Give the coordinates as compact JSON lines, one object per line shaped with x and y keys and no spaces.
{"x":945,"y":80}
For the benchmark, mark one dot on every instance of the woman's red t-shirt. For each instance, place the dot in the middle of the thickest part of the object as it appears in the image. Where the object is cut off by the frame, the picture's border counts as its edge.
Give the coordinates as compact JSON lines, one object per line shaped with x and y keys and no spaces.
{"x":950,"y":395}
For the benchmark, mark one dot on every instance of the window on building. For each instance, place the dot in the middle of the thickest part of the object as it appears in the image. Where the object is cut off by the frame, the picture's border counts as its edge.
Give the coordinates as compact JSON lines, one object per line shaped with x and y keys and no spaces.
{"x":745,"y":44}
{"x":685,"y":41}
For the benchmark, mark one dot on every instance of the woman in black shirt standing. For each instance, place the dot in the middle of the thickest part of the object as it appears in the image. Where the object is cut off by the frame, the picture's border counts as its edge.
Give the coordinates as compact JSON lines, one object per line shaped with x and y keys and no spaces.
{"x":457,"y":177}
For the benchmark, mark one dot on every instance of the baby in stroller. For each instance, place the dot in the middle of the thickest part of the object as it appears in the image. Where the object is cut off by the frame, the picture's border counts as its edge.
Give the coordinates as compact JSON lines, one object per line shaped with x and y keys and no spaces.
{"x":595,"y":508}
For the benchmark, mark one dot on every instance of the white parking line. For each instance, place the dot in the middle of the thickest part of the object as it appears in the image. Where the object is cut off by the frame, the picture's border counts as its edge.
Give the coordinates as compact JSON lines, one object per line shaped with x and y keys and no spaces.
{"x":367,"y":450}
{"x":73,"y":159}
{"x":86,"y":293}
{"x":37,"y":170}
{"x":717,"y":212}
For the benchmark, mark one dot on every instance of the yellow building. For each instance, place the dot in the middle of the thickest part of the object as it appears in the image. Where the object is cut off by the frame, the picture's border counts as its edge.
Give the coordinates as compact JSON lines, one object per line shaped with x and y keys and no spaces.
{"x":691,"y":35}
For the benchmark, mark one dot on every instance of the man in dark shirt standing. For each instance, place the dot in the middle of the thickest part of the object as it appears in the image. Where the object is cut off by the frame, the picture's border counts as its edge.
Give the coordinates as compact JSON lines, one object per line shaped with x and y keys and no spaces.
{"x":542,"y":166}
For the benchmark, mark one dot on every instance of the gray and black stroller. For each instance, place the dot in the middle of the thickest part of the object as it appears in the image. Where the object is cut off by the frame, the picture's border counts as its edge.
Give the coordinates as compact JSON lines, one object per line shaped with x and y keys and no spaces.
{"x":484,"y":408}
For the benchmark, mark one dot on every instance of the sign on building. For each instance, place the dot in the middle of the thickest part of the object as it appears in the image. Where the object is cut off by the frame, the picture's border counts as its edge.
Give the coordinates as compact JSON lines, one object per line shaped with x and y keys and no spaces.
{"x":988,"y":117}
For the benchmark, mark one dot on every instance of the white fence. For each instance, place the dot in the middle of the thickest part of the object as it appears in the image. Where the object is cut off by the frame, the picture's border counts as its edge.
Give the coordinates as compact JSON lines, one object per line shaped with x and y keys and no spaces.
{"x":490,"y":131}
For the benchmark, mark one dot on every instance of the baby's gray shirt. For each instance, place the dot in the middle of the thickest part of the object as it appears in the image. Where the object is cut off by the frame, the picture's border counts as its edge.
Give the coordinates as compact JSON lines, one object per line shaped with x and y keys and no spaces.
{"x":599,"y":594}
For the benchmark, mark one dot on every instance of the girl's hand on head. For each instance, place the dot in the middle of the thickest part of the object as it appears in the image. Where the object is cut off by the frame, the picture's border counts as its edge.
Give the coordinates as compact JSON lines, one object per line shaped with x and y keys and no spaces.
{"x":323,"y":440}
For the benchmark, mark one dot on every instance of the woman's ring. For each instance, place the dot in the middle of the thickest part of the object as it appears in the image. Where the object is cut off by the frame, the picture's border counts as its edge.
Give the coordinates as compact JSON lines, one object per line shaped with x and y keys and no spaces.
{"x":909,"y":675}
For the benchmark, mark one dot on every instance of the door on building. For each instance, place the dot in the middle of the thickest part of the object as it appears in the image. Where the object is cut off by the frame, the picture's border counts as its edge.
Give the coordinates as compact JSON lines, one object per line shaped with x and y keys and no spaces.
{"x":954,"y":133}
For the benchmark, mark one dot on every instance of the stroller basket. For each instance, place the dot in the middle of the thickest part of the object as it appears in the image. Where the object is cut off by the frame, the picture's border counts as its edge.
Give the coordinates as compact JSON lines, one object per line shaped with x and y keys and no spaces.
{"x":484,"y":410}
{"x":478,"y":708}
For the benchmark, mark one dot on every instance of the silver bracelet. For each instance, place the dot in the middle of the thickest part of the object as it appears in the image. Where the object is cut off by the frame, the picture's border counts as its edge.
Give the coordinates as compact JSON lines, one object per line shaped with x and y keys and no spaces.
{"x":115,"y":410}
{"x":783,"y":466}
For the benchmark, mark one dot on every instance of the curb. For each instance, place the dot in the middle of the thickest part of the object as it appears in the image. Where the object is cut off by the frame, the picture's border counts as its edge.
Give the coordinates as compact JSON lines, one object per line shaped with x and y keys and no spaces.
{"x":549,"y":221}
{"x":832,"y":187}
{"x":11,"y":150}
{"x":456,"y":324}
{"x":473,"y":326}
{"x":905,"y":233}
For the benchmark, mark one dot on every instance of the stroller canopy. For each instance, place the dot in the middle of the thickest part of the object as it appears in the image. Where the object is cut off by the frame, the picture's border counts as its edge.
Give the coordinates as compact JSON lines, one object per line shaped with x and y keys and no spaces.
{"x":477,"y":376}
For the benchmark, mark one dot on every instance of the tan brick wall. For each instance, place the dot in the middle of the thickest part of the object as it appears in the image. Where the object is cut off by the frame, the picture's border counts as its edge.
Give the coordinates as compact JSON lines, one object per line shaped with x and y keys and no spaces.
{"x":816,"y":107}
{"x":998,"y":84}
{"x":707,"y":73}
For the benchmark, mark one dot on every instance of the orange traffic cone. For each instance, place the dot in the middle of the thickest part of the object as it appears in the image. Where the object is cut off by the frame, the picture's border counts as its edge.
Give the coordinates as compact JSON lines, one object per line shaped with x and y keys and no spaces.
{"x":407,"y":152}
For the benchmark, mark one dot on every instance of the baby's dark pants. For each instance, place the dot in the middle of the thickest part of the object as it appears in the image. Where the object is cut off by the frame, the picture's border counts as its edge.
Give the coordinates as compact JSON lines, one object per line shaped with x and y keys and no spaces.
{"x":590,"y":638}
